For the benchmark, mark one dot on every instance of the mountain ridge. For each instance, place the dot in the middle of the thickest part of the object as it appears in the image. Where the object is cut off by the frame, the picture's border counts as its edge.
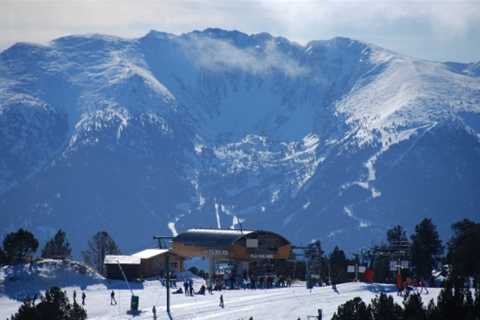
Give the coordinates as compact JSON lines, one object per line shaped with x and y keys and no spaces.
{"x":214,"y":127}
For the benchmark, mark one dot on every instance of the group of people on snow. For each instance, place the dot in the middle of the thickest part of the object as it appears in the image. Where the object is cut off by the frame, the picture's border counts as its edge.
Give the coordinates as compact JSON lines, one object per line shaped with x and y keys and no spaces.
{"x":407,"y":285}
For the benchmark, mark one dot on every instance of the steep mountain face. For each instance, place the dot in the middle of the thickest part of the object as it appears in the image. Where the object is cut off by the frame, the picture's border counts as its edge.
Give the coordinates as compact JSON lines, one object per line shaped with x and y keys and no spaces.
{"x":336,"y":140}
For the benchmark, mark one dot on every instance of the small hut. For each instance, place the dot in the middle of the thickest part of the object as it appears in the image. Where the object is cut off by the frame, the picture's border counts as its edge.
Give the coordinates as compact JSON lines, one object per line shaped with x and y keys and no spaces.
{"x":153,"y":262}
{"x":129,"y":264}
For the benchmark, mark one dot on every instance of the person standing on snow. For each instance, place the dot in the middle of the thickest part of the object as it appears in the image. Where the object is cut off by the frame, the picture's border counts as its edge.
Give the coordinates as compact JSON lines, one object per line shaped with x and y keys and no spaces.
{"x":221,"y":305}
{"x":190,"y":288}
{"x":154,"y":311}
{"x":112,"y":298}
{"x":83,"y":298}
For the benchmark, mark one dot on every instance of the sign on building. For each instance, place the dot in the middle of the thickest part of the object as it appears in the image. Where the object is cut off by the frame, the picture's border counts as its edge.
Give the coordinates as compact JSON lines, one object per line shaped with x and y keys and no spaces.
{"x":261,"y":256}
{"x":216,"y":252}
{"x":393,"y":266}
{"x":252,"y":243}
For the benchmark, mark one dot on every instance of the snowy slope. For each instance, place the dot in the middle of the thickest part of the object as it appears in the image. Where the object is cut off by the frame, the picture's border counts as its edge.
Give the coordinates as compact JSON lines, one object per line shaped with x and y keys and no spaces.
{"x":280,"y":303}
{"x":335,"y":140}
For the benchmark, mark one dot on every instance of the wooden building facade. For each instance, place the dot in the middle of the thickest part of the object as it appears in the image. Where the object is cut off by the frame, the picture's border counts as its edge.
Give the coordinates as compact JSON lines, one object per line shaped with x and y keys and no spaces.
{"x":115,"y":264}
{"x":234,"y":255}
{"x":144,"y":264}
{"x":153,"y":262}
{"x":239,"y":245}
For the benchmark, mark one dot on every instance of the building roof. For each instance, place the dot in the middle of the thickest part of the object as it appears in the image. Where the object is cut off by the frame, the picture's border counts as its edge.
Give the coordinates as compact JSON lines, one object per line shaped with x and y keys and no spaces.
{"x":115,"y":259}
{"x":218,"y":238}
{"x":149,"y":253}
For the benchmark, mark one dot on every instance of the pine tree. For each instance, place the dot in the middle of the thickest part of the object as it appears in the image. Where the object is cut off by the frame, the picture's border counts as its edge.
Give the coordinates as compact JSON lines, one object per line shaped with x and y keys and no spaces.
{"x":451,"y":301}
{"x":384,"y":308}
{"x":3,"y":257}
{"x":338,"y":265}
{"x":19,"y":245}
{"x":469,"y":306}
{"x":57,"y":247}
{"x":55,"y":306}
{"x":354,"y":309}
{"x":395,"y":235}
{"x":413,"y":308}
{"x":426,"y":248}
{"x":27,"y":311}
{"x":476,"y":307}
{"x":463,"y":249}
{"x":433,"y":312}
{"x":98,"y":247}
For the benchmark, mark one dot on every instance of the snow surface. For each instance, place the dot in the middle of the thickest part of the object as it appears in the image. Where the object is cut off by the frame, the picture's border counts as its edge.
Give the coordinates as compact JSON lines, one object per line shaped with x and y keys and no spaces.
{"x":148,"y":253}
{"x":123,"y":259}
{"x":265,"y":304}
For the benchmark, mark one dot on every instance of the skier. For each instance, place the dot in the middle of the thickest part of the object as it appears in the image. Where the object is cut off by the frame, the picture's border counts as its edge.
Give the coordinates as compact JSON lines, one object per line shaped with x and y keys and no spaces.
{"x":178,"y":291}
{"x":210,"y":288}
{"x":334,"y":287}
{"x":201,"y":290}
{"x":190,"y":288}
{"x":221,"y":305}
{"x":185,"y":287}
{"x":154,"y":311}
{"x":407,"y":288}
{"x":74,"y":296}
{"x":399,"y":283}
{"x":112,"y":298}
{"x":83,"y":298}
{"x":422,"y":286}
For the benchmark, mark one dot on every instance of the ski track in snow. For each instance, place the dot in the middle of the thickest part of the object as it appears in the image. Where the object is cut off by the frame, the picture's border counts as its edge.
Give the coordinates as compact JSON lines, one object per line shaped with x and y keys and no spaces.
{"x":279,"y":303}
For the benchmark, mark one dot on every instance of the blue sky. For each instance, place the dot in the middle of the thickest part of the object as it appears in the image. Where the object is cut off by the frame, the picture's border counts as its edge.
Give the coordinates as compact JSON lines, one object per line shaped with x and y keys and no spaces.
{"x":434,"y":30}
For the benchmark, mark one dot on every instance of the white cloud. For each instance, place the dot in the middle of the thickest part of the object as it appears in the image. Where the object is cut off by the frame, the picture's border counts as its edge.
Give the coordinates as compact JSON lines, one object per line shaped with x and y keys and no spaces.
{"x":415,"y":27}
{"x":215,"y":54}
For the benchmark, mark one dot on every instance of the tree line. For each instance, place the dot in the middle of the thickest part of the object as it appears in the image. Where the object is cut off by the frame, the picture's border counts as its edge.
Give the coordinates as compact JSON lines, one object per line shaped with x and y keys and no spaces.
{"x":54,"y":305}
{"x":424,"y":251}
{"x":453,"y":302}
{"x":20,"y":247}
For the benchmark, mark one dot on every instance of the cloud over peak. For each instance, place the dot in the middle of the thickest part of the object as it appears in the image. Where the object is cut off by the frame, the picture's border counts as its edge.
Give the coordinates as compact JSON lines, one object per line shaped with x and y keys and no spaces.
{"x":263,"y":57}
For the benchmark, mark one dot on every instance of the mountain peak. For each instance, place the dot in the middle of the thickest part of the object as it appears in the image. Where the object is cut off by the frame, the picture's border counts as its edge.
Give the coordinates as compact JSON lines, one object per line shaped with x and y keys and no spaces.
{"x":219,"y":126}
{"x":340,"y":43}
{"x":155,"y":34}
{"x":89,"y":40}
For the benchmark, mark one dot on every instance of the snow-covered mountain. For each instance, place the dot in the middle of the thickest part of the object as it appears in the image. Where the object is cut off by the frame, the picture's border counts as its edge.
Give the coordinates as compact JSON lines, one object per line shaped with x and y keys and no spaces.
{"x":335,"y":140}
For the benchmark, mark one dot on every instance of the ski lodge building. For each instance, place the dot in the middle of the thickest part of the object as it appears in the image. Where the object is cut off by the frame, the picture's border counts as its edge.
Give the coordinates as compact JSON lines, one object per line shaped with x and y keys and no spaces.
{"x":240,"y":245}
{"x":256,"y":253}
{"x":231,"y":254}
{"x":143,"y":264}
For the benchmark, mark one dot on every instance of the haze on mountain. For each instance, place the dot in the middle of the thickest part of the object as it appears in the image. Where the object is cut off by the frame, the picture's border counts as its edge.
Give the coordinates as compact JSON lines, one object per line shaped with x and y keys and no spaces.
{"x":334,"y":140}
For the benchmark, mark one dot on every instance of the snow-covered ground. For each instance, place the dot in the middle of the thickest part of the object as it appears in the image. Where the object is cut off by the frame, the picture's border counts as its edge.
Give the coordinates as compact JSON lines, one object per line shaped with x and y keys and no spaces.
{"x":281,"y":303}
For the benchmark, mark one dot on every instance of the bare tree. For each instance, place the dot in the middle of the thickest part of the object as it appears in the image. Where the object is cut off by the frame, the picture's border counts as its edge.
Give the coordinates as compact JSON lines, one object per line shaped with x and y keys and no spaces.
{"x":99,"y":246}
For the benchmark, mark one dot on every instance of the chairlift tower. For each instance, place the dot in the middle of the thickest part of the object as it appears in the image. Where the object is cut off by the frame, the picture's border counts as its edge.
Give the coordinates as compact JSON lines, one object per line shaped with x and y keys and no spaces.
{"x":309,"y":253}
{"x":162,"y":244}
